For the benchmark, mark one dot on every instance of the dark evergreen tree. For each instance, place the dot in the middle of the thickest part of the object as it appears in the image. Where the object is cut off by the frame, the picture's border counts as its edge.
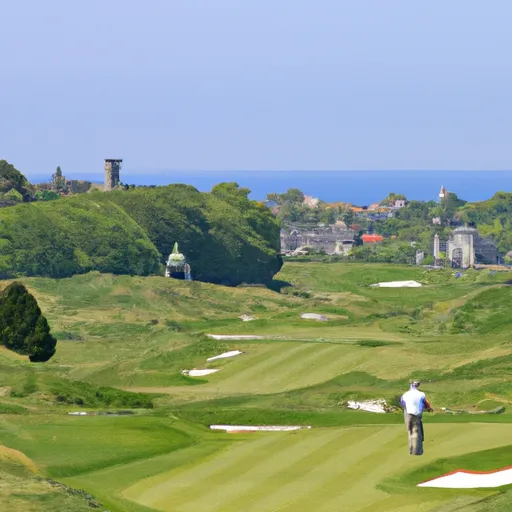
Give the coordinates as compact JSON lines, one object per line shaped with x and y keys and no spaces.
{"x":23,"y":327}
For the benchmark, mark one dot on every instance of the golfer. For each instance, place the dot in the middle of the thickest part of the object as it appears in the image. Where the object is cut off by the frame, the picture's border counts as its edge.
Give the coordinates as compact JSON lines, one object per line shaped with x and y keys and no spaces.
{"x":414,"y":403}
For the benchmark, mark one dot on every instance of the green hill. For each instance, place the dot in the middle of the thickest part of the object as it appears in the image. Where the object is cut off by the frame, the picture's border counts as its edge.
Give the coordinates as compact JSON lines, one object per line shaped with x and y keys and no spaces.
{"x":71,"y":236}
{"x":226,"y":237}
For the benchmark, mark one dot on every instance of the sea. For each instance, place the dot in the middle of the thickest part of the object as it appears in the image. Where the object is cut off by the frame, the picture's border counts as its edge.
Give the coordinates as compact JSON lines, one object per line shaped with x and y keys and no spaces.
{"x":357,"y":187}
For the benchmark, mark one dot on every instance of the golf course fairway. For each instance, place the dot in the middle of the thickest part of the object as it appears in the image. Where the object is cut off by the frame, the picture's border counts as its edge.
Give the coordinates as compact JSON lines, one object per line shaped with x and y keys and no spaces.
{"x":319,"y":470}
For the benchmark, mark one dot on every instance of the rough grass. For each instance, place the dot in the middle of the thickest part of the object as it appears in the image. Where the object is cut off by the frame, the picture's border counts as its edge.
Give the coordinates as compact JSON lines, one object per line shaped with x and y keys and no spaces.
{"x":66,"y":446}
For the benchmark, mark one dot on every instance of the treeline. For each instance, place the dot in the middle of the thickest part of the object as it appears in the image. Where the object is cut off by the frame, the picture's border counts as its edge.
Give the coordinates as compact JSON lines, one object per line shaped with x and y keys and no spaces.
{"x":226,"y":237}
{"x":292,"y":208}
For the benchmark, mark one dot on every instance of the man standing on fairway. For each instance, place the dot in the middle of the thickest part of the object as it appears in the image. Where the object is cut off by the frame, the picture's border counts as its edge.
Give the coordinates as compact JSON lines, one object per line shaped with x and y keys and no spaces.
{"x":414,"y":403}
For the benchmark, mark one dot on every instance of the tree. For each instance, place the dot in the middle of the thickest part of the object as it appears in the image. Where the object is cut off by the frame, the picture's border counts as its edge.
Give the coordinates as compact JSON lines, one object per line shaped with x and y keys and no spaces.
{"x":23,"y":327}
{"x":59,"y":180}
{"x":392,"y":197}
{"x":11,"y":178}
{"x":292,"y":195}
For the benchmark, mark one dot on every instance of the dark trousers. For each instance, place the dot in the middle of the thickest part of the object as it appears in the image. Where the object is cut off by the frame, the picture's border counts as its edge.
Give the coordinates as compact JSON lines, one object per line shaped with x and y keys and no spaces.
{"x":415,"y":433}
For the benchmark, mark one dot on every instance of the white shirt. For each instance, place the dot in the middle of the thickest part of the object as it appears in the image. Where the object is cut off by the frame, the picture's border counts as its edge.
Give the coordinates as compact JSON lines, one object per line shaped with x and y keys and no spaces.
{"x":413,"y":401}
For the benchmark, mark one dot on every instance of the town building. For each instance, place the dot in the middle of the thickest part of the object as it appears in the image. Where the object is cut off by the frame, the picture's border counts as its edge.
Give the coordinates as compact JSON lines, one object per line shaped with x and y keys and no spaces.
{"x":332,"y":239}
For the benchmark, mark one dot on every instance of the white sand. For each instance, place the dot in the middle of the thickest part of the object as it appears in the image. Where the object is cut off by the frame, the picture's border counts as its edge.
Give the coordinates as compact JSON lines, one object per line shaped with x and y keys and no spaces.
{"x":252,"y":428}
{"x":471,"y":480}
{"x":314,"y":316}
{"x":234,"y":337}
{"x":398,"y":284}
{"x":247,"y":318}
{"x":368,"y":405}
{"x":199,"y":373}
{"x":231,"y":353}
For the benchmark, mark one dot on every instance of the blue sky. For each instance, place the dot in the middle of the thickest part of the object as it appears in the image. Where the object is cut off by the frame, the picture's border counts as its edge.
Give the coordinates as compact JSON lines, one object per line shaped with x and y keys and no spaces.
{"x":256,"y":84}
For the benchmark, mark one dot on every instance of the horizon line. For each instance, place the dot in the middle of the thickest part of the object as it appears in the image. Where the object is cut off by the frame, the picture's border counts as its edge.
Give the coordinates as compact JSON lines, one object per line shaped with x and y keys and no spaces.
{"x":160,"y":170}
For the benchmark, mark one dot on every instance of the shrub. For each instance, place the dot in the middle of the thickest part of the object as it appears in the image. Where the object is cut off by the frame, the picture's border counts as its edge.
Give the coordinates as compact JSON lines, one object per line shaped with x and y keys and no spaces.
{"x":23,"y":328}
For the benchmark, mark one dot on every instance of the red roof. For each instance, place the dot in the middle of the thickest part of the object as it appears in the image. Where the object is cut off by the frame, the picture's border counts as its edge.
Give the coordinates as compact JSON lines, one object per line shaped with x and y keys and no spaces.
{"x":372,"y":238}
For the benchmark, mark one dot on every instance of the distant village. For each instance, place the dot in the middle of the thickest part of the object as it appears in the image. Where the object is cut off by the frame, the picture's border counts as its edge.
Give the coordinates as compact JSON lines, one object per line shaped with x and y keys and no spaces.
{"x":462,"y":249}
{"x":337,"y":238}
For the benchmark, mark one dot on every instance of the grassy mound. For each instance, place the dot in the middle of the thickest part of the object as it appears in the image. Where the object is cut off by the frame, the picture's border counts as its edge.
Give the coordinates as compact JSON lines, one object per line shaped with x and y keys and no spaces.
{"x":72,"y":236}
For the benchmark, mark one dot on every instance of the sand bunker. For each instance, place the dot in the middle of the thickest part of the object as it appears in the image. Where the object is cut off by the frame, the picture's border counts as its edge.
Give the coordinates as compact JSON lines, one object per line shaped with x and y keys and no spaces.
{"x":251,"y":428}
{"x":231,"y":353}
{"x":314,"y":316}
{"x":247,"y":318}
{"x":199,"y":373}
{"x":378,"y":406}
{"x":398,"y":284}
{"x":462,"y":479}
{"x":234,"y":337}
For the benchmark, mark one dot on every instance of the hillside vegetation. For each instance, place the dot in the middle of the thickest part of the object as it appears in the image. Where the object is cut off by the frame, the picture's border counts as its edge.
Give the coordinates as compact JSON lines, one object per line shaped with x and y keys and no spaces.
{"x":226,"y":237}
{"x":14,"y":187}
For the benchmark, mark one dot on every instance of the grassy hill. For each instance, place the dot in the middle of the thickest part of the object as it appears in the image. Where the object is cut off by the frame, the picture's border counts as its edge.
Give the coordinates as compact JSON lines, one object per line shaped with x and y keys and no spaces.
{"x":226,"y":237}
{"x":124,"y":341}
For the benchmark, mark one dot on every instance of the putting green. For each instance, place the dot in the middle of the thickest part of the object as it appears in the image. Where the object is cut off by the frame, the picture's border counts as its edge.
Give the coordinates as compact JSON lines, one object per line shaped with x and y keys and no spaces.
{"x":319,"y":470}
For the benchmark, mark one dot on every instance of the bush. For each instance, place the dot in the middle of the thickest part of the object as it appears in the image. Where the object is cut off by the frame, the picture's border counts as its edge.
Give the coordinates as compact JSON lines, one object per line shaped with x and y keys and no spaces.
{"x":87,"y":395}
{"x":23,"y":328}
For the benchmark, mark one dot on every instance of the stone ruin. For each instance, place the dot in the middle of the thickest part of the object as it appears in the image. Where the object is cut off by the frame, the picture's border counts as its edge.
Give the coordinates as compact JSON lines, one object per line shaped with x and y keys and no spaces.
{"x":177,"y":266}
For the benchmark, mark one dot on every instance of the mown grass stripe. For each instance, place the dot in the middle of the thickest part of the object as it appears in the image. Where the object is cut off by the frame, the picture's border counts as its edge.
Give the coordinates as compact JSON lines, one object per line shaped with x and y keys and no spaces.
{"x":272,"y":464}
{"x":360,"y":480}
{"x":274,"y":490}
{"x":307,"y":369}
{"x":312,"y":489}
{"x":207,"y":469}
{"x":251,"y":379}
{"x":325,"y":365}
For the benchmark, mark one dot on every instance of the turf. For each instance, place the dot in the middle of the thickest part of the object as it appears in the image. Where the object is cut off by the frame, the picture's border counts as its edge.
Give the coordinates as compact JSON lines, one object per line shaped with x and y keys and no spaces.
{"x":123,"y":342}
{"x":310,"y":470}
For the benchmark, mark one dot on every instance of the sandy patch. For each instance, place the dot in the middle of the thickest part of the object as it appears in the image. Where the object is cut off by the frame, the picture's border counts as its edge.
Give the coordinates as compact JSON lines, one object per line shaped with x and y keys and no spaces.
{"x":234,"y":337}
{"x":231,"y":353}
{"x":199,"y":373}
{"x":398,"y":284}
{"x":463,"y":479}
{"x":255,"y":428}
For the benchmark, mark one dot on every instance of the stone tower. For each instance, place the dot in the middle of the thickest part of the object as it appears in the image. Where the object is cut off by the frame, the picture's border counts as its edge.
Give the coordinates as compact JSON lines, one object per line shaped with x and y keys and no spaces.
{"x":112,"y":168}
